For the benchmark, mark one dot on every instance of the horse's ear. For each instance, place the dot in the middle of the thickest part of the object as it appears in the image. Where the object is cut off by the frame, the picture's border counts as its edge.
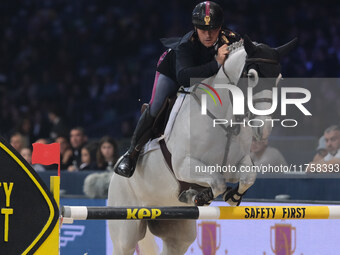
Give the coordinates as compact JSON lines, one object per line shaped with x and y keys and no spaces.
{"x":248,"y":45}
{"x":285,"y":49}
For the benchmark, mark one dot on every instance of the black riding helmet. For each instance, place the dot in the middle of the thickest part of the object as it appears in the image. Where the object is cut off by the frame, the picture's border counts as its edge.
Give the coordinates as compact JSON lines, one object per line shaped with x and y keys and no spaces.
{"x":207,"y":15}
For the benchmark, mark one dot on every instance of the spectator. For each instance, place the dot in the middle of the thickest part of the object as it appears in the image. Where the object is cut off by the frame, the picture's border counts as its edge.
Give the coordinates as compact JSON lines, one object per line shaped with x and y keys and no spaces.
{"x":96,"y":185}
{"x":26,"y":153}
{"x":262,"y":154}
{"x":42,"y":140}
{"x":321,"y":150}
{"x":88,"y":157}
{"x":107,"y":153}
{"x":17,"y":141}
{"x":326,"y":163}
{"x":25,"y":129}
{"x":59,"y":128}
{"x":65,"y":152}
{"x":78,"y":139}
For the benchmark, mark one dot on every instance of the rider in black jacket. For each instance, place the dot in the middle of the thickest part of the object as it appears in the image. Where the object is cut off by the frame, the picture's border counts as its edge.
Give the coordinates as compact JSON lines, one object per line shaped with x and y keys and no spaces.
{"x":198,"y":54}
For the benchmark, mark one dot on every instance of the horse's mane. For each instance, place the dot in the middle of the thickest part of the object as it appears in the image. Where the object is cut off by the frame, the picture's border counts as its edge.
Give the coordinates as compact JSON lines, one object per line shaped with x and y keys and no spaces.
{"x":235,"y":47}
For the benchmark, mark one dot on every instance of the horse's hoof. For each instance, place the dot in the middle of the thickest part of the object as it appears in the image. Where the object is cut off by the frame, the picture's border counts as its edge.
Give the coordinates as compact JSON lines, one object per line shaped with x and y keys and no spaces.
{"x":204,"y":197}
{"x":229,"y":194}
{"x":187,"y":196}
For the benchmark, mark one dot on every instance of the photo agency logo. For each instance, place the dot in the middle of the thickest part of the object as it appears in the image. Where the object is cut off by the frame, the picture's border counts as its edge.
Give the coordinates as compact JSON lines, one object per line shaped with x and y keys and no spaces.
{"x":246,"y":105}
{"x":204,"y":97}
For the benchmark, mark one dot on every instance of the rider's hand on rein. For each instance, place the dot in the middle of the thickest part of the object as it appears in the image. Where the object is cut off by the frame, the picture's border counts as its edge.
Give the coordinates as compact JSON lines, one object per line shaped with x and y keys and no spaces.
{"x":222,"y":54}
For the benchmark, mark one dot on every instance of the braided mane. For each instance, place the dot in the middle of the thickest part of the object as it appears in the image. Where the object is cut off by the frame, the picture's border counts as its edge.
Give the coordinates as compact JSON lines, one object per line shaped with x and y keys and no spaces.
{"x":235,"y":47}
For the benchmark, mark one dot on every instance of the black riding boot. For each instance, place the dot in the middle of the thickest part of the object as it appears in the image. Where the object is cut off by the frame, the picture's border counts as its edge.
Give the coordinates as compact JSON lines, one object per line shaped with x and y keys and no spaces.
{"x":125,"y":166}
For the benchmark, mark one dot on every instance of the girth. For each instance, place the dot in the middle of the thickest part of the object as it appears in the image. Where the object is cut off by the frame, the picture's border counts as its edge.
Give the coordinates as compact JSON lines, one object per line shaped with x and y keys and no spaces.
{"x":183,"y":185}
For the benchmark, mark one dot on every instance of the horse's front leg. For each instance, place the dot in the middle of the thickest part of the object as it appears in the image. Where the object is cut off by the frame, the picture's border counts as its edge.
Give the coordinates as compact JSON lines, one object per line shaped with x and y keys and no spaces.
{"x":201,"y":174}
{"x":233,"y":196}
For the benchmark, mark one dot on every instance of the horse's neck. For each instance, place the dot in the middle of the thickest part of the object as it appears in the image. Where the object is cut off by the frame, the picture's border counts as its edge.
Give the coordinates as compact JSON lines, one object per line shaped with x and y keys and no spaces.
{"x":230,"y":73}
{"x":233,"y":66}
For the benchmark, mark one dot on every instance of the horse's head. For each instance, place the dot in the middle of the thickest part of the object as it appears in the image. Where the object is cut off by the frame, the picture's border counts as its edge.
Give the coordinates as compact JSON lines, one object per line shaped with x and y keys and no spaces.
{"x":257,"y":68}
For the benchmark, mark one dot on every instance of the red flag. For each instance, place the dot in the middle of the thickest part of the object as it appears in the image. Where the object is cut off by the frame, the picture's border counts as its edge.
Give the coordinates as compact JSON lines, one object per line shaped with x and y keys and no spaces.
{"x":46,"y":154}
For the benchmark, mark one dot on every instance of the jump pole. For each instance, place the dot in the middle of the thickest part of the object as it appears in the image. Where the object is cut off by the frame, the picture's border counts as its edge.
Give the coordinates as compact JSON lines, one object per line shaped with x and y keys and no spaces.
{"x":200,"y":212}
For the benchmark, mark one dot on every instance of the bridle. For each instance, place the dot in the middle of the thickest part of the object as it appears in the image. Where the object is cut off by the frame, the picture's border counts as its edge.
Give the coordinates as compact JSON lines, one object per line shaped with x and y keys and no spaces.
{"x":259,"y":60}
{"x":244,"y":73}
{"x":251,"y":60}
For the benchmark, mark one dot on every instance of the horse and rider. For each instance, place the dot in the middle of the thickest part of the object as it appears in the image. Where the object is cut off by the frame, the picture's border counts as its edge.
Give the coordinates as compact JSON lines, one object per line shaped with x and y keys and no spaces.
{"x":220,"y":58}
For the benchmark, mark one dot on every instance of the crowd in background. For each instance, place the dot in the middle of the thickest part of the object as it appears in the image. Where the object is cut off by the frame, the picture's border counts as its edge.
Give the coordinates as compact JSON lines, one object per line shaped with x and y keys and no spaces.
{"x":92,"y":63}
{"x":77,"y":153}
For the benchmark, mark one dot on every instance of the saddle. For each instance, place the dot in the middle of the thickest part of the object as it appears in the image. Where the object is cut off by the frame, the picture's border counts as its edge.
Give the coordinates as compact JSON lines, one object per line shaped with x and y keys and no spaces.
{"x":162,"y":117}
{"x":158,"y":129}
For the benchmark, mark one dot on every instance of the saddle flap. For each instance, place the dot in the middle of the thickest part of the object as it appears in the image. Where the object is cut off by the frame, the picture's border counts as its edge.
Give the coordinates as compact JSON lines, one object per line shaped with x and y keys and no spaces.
{"x":162,"y":117}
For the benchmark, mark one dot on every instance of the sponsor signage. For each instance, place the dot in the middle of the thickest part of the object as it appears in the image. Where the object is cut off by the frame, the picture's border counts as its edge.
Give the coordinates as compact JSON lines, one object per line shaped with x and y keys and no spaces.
{"x":28,"y":211}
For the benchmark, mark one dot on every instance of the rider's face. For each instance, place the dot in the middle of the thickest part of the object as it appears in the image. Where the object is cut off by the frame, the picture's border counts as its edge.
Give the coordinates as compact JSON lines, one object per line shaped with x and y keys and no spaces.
{"x":208,"y":37}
